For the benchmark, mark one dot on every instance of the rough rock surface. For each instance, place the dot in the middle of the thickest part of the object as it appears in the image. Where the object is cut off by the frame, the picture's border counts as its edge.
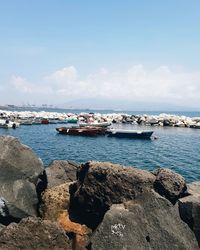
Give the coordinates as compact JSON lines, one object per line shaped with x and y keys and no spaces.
{"x":81,"y":232}
{"x":148,"y":222}
{"x":55,"y":200}
{"x":189,"y":208}
{"x":19,"y":168}
{"x":55,"y":203}
{"x":33,"y":233}
{"x":1,"y":227}
{"x":100,"y":184}
{"x":169,"y":184}
{"x":60,"y":171}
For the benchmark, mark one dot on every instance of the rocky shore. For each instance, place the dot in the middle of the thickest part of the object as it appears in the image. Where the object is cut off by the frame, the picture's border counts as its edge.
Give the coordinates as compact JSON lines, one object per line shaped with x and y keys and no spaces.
{"x":145,"y":120}
{"x":93,"y":206}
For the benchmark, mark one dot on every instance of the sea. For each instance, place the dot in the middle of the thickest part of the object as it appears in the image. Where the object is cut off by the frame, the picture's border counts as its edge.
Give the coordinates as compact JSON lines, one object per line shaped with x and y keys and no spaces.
{"x":175,"y":148}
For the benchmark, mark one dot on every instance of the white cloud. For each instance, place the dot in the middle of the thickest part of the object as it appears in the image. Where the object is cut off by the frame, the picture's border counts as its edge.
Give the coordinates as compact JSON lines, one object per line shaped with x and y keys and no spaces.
{"x":21,"y":84}
{"x":134,"y":84}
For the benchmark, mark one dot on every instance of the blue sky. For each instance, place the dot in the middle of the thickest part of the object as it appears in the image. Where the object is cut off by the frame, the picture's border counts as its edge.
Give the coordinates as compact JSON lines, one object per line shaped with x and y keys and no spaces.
{"x":49,"y":47}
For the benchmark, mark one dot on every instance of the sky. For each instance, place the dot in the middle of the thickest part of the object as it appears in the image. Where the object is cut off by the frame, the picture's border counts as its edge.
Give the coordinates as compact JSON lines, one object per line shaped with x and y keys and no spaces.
{"x":115,"y":52}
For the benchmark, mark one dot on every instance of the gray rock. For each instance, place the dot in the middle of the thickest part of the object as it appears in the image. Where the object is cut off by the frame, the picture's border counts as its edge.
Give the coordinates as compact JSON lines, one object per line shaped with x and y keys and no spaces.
{"x":167,"y":122}
{"x":152,"y":121}
{"x":148,"y":222}
{"x":18,"y":160}
{"x":60,"y":172}
{"x":189,"y":208}
{"x":1,"y":227}
{"x":33,"y":233}
{"x":19,"y":168}
{"x":169,"y":184}
{"x":101,"y":184}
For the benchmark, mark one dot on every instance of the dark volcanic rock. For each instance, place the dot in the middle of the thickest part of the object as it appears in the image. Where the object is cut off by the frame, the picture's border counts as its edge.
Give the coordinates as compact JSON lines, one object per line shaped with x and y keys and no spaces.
{"x":33,"y":233}
{"x":169,"y":184}
{"x":19,"y":168}
{"x":100,"y":184}
{"x":60,"y":171}
{"x":189,"y":208}
{"x":10,"y":213}
{"x":148,"y":222}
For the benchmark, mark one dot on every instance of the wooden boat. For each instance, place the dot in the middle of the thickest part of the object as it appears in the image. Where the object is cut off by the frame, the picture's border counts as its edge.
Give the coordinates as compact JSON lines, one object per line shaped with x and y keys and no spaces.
{"x":86,"y":131}
{"x":95,"y":124}
{"x":122,"y":133}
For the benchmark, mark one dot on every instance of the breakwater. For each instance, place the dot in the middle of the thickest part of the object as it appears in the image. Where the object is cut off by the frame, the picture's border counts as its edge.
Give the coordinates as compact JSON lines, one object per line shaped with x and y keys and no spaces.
{"x":161,"y":120}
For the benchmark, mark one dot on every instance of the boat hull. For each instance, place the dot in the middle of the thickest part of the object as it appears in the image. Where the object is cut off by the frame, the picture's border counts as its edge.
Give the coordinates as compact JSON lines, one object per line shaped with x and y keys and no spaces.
{"x":101,"y":124}
{"x":129,"y":134}
{"x":87,"y":131}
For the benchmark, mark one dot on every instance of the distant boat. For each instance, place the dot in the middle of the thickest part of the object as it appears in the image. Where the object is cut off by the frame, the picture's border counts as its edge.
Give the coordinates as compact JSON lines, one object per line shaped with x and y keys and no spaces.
{"x":8,"y":124}
{"x":37,"y":121}
{"x":28,"y":121}
{"x":122,"y":133}
{"x":95,"y":124}
{"x":83,"y":131}
{"x":73,"y":120}
{"x":44,"y":121}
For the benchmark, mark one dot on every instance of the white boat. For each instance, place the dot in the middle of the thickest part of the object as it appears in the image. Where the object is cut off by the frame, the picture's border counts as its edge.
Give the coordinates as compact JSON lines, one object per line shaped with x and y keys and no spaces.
{"x":94,"y":124}
{"x":28,"y":121}
{"x":37,"y":121}
{"x":8,"y":124}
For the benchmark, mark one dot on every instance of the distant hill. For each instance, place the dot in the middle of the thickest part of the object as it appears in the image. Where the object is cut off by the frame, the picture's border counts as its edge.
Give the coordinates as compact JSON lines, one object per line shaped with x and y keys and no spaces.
{"x":108,"y":104}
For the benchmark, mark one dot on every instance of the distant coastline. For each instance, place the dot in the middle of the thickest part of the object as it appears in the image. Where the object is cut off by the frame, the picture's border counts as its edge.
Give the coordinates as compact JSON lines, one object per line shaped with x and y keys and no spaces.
{"x":192,"y":113}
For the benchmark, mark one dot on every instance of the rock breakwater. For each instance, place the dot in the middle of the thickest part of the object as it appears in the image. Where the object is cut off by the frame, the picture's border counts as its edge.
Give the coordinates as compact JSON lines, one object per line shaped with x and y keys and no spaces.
{"x":143,"y":119}
{"x":97,"y":205}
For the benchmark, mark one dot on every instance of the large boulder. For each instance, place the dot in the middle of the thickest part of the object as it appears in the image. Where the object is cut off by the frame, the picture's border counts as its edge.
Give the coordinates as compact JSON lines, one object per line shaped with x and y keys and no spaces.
{"x":19,"y":168}
{"x":55,"y":205}
{"x":189,"y":208}
{"x":54,"y":201}
{"x":34,"y":233}
{"x":60,"y":171}
{"x":148,"y":222}
{"x":169,"y":184}
{"x":101,"y":184}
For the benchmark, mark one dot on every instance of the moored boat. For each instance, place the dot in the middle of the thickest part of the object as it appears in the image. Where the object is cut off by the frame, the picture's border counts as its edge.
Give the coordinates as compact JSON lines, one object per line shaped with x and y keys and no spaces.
{"x":26,"y":121}
{"x":95,"y":124}
{"x":136,"y":134}
{"x":84,"y":131}
{"x":73,"y":120}
{"x":45,"y":121}
{"x":36,"y":121}
{"x":8,"y":124}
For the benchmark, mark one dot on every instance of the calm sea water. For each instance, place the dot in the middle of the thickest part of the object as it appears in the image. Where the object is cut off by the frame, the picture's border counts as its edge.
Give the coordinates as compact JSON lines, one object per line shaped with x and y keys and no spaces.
{"x":175,"y":148}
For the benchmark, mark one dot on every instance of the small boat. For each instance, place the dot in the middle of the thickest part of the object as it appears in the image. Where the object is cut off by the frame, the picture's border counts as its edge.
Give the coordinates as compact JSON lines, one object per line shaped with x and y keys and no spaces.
{"x":122,"y":133}
{"x":37,"y":121}
{"x":86,"y":131}
{"x":26,"y":121}
{"x":95,"y":124}
{"x":44,"y":121}
{"x":73,"y":120}
{"x":8,"y":124}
